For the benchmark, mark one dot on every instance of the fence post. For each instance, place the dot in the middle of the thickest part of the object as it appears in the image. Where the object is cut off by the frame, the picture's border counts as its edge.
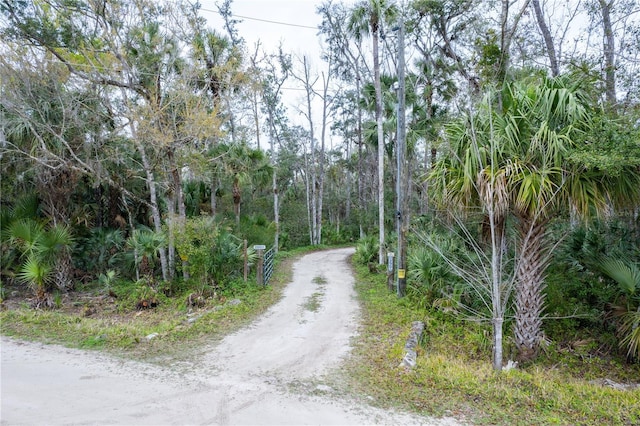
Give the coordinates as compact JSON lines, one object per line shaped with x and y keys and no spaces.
{"x":246,"y":261}
{"x":390,"y":275}
{"x":260,"y":268}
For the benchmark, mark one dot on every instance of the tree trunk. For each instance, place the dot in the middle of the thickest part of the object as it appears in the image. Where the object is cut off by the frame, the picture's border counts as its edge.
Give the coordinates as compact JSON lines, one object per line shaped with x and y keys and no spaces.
{"x":609,"y":52}
{"x":153,"y":202}
{"x":499,"y":296}
{"x":548,"y":39}
{"x":529,"y":301}
{"x":274,"y":183}
{"x":347,"y":207}
{"x":323,"y":134}
{"x":63,"y":270}
{"x":276,"y":210}
{"x":256,"y":118}
{"x":153,"y":195}
{"x":171,"y":246}
{"x":236,"y":199}
{"x":308,"y":197}
{"x":507,"y":32}
{"x":178,"y":196}
{"x":497,"y":343}
{"x":56,"y":187}
{"x":378,"y":90}
{"x":360,"y":143}
{"x":214,"y":195}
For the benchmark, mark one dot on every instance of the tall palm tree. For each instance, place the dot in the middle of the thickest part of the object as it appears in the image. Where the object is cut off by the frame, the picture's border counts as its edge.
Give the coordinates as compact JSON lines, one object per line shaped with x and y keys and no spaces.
{"x":544,"y":122}
{"x":367,"y":18}
{"x":244,"y":165}
{"x":526,"y":145}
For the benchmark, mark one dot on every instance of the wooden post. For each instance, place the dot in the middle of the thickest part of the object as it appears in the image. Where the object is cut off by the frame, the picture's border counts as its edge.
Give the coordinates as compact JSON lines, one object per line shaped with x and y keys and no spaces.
{"x":246,"y":261}
{"x":390,"y":268}
{"x":260,"y":268}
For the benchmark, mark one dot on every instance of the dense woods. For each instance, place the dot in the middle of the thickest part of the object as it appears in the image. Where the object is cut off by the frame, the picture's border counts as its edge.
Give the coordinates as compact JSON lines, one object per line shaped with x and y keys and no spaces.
{"x":137,"y":143}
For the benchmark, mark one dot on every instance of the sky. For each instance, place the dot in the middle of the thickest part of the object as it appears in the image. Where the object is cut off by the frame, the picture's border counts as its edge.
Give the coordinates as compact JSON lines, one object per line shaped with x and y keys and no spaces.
{"x":292,"y":22}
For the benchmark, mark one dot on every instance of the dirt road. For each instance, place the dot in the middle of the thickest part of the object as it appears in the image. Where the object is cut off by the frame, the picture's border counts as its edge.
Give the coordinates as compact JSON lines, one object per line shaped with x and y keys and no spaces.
{"x":268,"y":373}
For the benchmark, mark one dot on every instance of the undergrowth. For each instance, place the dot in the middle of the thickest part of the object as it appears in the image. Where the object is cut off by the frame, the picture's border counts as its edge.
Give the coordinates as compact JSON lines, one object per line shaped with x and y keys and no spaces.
{"x":453,"y":376}
{"x":116,"y":326}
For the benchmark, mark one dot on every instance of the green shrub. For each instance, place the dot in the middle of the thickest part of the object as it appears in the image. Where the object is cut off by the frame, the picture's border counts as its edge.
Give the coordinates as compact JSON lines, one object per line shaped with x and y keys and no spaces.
{"x":212,"y":255}
{"x":366,"y":250}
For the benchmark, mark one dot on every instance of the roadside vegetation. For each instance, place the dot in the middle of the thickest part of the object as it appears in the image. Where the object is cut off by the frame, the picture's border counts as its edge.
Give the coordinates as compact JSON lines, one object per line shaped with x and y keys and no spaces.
{"x":106,"y":318}
{"x":581,"y":376}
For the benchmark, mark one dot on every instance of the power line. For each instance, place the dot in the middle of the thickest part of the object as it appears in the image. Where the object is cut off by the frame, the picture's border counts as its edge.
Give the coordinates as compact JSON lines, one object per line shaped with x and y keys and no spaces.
{"x":263,"y":20}
{"x":276,"y":22}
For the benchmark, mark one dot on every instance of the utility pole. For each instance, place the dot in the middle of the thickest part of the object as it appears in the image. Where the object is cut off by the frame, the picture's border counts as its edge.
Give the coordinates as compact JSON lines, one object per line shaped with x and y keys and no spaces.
{"x":401,"y":136}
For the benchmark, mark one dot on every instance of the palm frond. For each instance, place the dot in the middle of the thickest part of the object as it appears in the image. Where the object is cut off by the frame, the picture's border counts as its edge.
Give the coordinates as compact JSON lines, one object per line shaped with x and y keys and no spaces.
{"x":624,"y":272}
{"x":630,"y":331}
{"x":35,"y":273}
{"x":26,"y":235}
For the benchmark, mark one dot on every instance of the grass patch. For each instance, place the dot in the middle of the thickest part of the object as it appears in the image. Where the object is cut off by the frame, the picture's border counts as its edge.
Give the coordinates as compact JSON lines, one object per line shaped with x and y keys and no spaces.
{"x":94,"y":321}
{"x":312,"y":303}
{"x":319,"y":280}
{"x":454,"y":376}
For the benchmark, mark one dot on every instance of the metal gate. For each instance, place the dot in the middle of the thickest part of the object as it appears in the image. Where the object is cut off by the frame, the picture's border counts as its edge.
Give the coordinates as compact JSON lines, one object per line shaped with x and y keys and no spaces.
{"x":269,"y":260}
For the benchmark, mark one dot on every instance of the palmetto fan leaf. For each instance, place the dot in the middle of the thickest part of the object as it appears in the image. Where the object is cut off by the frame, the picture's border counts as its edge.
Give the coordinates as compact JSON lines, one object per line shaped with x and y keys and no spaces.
{"x":55,"y":239}
{"x":625,"y":273}
{"x":35,"y":273}
{"x":26,"y":234}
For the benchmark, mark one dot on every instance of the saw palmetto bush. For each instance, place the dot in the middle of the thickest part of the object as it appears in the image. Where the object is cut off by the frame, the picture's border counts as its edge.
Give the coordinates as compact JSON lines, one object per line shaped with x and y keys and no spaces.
{"x":366,"y":250}
{"x":627,"y":310}
{"x":40,"y":250}
{"x":145,"y":245}
{"x":430,"y":281}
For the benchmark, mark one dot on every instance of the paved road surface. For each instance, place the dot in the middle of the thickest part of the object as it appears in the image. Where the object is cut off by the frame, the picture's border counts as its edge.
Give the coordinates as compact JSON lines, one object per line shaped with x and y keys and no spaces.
{"x":268,"y":373}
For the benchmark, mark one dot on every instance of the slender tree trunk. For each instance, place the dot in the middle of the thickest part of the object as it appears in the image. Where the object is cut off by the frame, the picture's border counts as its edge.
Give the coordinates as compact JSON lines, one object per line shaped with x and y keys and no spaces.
{"x":178,"y":195}
{"x":507,"y":31}
{"x":609,"y":52}
{"x":497,"y":296}
{"x":236,"y":199}
{"x":347,"y":207}
{"x":274,"y":182}
{"x":172,"y":225}
{"x":308,"y":197}
{"x":362,"y":207}
{"x":214,"y":198}
{"x":323,"y":135}
{"x":153,"y":195}
{"x":548,"y":39}
{"x":378,"y":90}
{"x":153,"y":202}
{"x":256,"y":117}
{"x":276,"y":209}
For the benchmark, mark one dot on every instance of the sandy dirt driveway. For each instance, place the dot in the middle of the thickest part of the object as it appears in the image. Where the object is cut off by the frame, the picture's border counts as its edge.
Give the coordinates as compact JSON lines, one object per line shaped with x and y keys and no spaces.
{"x":268,"y":373}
